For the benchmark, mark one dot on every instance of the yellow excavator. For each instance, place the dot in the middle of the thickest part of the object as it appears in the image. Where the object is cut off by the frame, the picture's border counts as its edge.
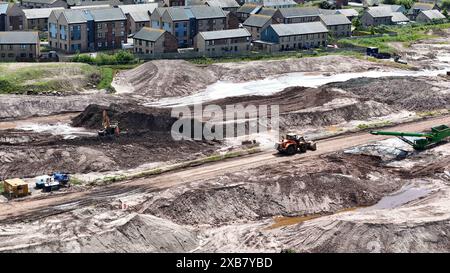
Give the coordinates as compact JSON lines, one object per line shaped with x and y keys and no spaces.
{"x":110,"y":130}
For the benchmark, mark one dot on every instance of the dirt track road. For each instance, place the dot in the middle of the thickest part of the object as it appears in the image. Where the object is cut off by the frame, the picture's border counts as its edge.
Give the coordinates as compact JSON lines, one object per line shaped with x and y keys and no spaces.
{"x":36,"y":208}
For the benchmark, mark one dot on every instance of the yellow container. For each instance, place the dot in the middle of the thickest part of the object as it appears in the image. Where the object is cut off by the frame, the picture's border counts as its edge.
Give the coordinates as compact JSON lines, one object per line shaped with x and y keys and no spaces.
{"x":15,"y":187}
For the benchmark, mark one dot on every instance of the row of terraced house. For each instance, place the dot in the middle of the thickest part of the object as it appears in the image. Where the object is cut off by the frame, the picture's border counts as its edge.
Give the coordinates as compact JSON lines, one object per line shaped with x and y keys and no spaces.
{"x":212,"y":27}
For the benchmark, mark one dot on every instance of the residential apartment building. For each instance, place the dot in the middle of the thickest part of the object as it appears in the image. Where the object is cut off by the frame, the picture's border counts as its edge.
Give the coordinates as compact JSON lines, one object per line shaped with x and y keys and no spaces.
{"x":338,"y":25}
{"x":185,"y":22}
{"x":19,"y":46}
{"x":37,"y":19}
{"x":87,"y":30}
{"x":137,"y":20}
{"x":349,"y":13}
{"x":280,"y":37}
{"x":153,"y":41}
{"x":223,"y":41}
{"x":257,"y":23}
{"x":33,"y":4}
{"x":138,"y":15}
{"x":296,"y":15}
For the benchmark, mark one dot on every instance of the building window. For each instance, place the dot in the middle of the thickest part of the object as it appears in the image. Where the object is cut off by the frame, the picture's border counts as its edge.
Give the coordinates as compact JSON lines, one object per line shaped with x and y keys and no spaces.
{"x":99,"y":44}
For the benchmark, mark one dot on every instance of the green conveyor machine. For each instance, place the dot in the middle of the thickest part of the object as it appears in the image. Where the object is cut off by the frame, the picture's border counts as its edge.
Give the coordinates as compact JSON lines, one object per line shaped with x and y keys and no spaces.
{"x":424,"y":140}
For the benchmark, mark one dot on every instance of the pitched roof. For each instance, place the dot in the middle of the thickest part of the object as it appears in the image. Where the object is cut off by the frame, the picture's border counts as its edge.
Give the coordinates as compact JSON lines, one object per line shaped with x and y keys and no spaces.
{"x":299,"y":28}
{"x":92,"y":6}
{"x":335,"y":19}
{"x":398,"y":17}
{"x":249,"y":8}
{"x":149,"y":34}
{"x":138,"y":7}
{"x":140,"y":16}
{"x":277,"y":3}
{"x":394,"y":8}
{"x":327,"y":11}
{"x":383,"y":12}
{"x":257,"y":20}
{"x":433,"y":14}
{"x":39,"y":13}
{"x":348,"y":12}
{"x":178,"y":13}
{"x":222,"y":3}
{"x":107,"y":14}
{"x":422,"y":6}
{"x":93,"y":2}
{"x":204,"y":12}
{"x":19,"y":37}
{"x":267,"y":11}
{"x":74,"y":16}
{"x":40,"y":1}
{"x":224,"y":34}
{"x":298,"y":12}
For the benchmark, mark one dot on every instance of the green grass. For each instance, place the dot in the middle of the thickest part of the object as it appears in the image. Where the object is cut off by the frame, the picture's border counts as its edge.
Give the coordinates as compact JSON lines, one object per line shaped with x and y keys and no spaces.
{"x":405,"y":34}
{"x":288,"y":55}
{"x":106,"y":77}
{"x":364,"y":126}
{"x":1,"y":188}
{"x":43,"y":78}
{"x":75,"y":181}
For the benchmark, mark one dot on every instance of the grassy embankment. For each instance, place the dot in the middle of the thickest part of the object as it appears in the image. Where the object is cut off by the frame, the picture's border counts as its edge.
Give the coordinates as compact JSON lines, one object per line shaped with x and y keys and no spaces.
{"x":405,"y":34}
{"x":35,"y":78}
{"x":108,"y":65}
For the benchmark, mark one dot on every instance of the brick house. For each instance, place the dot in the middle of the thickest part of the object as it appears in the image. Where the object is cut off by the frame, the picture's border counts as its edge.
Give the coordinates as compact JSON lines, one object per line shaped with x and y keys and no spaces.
{"x":185,"y":22}
{"x":257,"y":23}
{"x":281,"y":37}
{"x":37,"y":19}
{"x":14,"y":18}
{"x":337,"y":24}
{"x":19,"y":46}
{"x":153,"y":41}
{"x":246,"y":10}
{"x":138,"y":15}
{"x":376,"y":17}
{"x":223,"y":41}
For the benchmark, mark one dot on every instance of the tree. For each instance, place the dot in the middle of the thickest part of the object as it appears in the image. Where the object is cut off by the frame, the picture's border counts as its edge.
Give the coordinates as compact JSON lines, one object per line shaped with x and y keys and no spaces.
{"x":445,"y":4}
{"x":326,"y":5}
{"x":406,"y":3}
{"x":356,"y":23}
{"x":445,"y":12}
{"x":389,"y":2}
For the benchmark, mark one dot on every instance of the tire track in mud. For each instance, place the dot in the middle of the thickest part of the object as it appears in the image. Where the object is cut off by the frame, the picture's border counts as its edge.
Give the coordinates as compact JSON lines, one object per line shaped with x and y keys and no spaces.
{"x":29,"y":209}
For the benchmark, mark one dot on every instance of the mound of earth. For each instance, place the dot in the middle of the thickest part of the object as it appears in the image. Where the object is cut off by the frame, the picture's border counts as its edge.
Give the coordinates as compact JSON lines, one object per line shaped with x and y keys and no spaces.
{"x":130,"y":117}
{"x":169,"y":78}
{"x":407,"y":93}
{"x":296,"y":188}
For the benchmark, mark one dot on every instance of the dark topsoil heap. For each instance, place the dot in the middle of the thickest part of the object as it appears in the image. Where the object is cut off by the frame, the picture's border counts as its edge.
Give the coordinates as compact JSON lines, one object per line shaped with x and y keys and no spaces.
{"x":131,"y":117}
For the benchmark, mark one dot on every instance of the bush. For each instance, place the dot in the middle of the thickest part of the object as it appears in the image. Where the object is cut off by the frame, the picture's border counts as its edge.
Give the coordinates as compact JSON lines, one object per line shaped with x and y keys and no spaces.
{"x":121,"y":57}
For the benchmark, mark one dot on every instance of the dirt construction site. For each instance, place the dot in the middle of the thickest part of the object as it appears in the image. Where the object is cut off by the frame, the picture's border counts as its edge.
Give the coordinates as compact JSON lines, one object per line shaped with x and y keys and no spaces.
{"x":144,"y":191}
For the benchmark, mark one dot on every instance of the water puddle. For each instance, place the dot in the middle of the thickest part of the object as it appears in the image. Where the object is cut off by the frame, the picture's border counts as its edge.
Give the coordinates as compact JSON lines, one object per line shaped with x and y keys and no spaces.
{"x":282,"y":221}
{"x":62,"y":129}
{"x":405,"y":195}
